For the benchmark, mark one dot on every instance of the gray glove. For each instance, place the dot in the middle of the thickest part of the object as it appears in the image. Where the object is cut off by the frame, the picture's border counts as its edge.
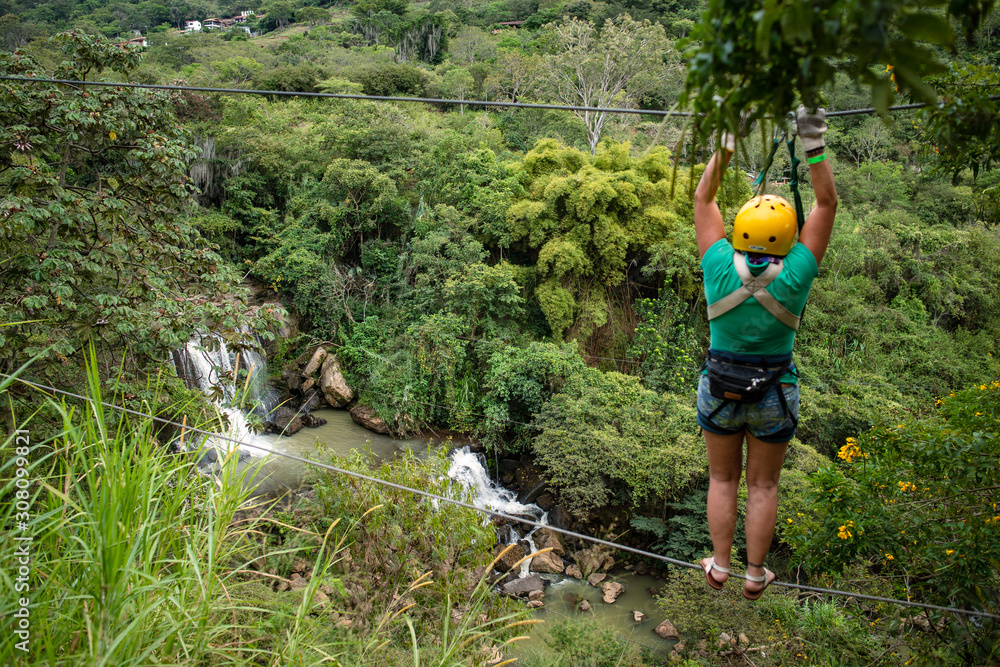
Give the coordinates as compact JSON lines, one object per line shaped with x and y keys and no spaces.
{"x":811,"y":126}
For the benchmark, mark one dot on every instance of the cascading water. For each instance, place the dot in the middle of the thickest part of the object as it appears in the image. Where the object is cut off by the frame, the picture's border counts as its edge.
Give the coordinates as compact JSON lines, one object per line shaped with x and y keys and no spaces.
{"x":469,"y":470}
{"x":205,"y":362}
{"x":564,"y":594}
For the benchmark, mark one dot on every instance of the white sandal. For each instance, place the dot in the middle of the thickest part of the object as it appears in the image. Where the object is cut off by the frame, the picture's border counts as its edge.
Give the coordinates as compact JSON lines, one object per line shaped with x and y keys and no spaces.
{"x":709,"y":579}
{"x":764,"y":578}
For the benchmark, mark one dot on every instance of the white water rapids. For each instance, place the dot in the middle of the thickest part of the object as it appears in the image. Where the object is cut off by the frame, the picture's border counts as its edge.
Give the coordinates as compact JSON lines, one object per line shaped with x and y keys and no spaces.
{"x":469,"y":470}
{"x":206,"y":363}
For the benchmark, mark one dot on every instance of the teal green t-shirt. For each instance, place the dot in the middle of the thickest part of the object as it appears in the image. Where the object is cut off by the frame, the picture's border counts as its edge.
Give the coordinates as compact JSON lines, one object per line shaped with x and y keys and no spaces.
{"x":749,"y":328}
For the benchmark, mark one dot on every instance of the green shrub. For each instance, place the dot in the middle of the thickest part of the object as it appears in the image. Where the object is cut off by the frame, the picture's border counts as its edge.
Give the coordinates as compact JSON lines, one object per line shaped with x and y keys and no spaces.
{"x":666,"y":345}
{"x":587,"y":643}
{"x":915,"y":501}
{"x":518,"y":383}
{"x":606,"y":440}
{"x":392,"y":80}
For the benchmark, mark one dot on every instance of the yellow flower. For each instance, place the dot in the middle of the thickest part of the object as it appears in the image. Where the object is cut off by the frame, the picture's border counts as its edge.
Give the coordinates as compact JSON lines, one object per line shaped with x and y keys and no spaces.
{"x":889,"y":557}
{"x":112,"y":135}
{"x":789,"y":521}
{"x":949,"y":551}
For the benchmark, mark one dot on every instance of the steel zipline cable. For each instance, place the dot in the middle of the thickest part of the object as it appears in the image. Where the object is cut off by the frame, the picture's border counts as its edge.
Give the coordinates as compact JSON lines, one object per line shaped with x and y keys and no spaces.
{"x":344,"y":96}
{"x":495,"y":513}
{"x":425,"y":100}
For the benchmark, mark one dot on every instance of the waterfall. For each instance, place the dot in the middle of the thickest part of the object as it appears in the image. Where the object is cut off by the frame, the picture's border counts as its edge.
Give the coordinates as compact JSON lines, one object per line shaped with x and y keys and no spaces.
{"x":469,"y":470}
{"x":206,"y":363}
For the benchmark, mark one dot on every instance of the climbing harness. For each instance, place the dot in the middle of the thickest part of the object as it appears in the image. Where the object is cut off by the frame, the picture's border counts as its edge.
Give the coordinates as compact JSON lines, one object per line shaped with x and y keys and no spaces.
{"x":733,"y":378}
{"x":756,"y":287}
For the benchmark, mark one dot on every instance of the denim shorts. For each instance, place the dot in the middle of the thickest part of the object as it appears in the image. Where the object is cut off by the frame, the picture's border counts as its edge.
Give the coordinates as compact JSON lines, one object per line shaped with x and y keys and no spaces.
{"x":765,"y":420}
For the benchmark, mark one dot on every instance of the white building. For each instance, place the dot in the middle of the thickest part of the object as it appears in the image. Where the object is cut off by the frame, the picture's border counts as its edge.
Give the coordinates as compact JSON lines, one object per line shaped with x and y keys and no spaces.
{"x":192,"y":26}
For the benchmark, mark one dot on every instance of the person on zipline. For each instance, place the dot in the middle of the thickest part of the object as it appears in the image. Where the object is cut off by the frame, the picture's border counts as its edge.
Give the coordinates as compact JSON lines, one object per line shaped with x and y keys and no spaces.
{"x":756,"y":288}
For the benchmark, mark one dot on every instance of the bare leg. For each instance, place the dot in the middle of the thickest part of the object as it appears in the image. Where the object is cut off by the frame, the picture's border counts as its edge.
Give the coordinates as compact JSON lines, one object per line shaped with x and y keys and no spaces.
{"x":725,"y":466}
{"x":764,"y":461}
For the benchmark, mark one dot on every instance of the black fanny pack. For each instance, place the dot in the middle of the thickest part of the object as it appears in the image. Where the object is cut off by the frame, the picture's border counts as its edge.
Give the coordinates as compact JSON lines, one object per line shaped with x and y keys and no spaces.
{"x":740,"y":379}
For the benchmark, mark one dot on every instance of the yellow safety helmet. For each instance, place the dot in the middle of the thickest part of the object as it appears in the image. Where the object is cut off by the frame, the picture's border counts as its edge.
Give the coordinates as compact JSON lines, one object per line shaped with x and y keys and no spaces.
{"x":766,"y":225}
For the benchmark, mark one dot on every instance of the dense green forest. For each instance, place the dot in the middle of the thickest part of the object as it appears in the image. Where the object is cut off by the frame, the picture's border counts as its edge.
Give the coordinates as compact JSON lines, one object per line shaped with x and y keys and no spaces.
{"x":528,"y":277}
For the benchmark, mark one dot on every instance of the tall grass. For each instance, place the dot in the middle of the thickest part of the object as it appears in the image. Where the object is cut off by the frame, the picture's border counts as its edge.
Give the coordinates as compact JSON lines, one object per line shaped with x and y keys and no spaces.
{"x":136,"y":558}
{"x":134,"y":555}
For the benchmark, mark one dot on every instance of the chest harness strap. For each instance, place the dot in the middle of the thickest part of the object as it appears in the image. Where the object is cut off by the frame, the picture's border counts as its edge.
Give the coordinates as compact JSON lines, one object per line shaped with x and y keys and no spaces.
{"x":754,"y":286}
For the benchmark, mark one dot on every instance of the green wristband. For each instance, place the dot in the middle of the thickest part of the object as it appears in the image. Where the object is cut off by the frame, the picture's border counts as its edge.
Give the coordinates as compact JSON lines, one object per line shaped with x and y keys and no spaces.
{"x":817,"y":158}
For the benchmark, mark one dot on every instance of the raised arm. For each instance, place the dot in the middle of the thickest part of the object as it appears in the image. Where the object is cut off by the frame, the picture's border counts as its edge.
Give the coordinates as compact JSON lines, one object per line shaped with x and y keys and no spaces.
{"x":708,"y":225}
{"x":818,"y":227}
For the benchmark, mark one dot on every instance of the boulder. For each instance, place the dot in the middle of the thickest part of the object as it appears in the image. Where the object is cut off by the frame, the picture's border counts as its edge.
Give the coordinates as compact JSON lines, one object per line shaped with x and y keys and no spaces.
{"x":284,"y":421}
{"x":638,"y":616}
{"x":312,"y":421}
{"x":315,"y":362}
{"x":547,"y":562}
{"x":612,"y":590}
{"x":584,"y":605}
{"x":546,"y":501}
{"x":530,"y":493}
{"x":546,"y":538}
{"x":312,"y":400}
{"x":332,"y":383}
{"x":536,"y":595}
{"x":560,"y":517}
{"x":667,"y":630}
{"x":292,"y":379}
{"x":596,"y":579}
{"x":573,"y":571}
{"x":527,"y":475}
{"x":365,"y":416}
{"x":592,"y":560}
{"x":524,"y":587}
{"x":514,"y":554}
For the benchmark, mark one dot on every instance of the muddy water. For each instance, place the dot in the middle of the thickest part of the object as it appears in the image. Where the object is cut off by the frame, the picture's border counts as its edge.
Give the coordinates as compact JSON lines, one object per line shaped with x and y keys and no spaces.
{"x":340,"y":436}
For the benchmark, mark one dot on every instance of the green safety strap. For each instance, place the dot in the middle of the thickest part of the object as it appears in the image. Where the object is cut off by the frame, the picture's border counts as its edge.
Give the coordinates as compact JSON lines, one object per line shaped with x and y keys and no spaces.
{"x":794,"y":183}
{"x":758,"y":183}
